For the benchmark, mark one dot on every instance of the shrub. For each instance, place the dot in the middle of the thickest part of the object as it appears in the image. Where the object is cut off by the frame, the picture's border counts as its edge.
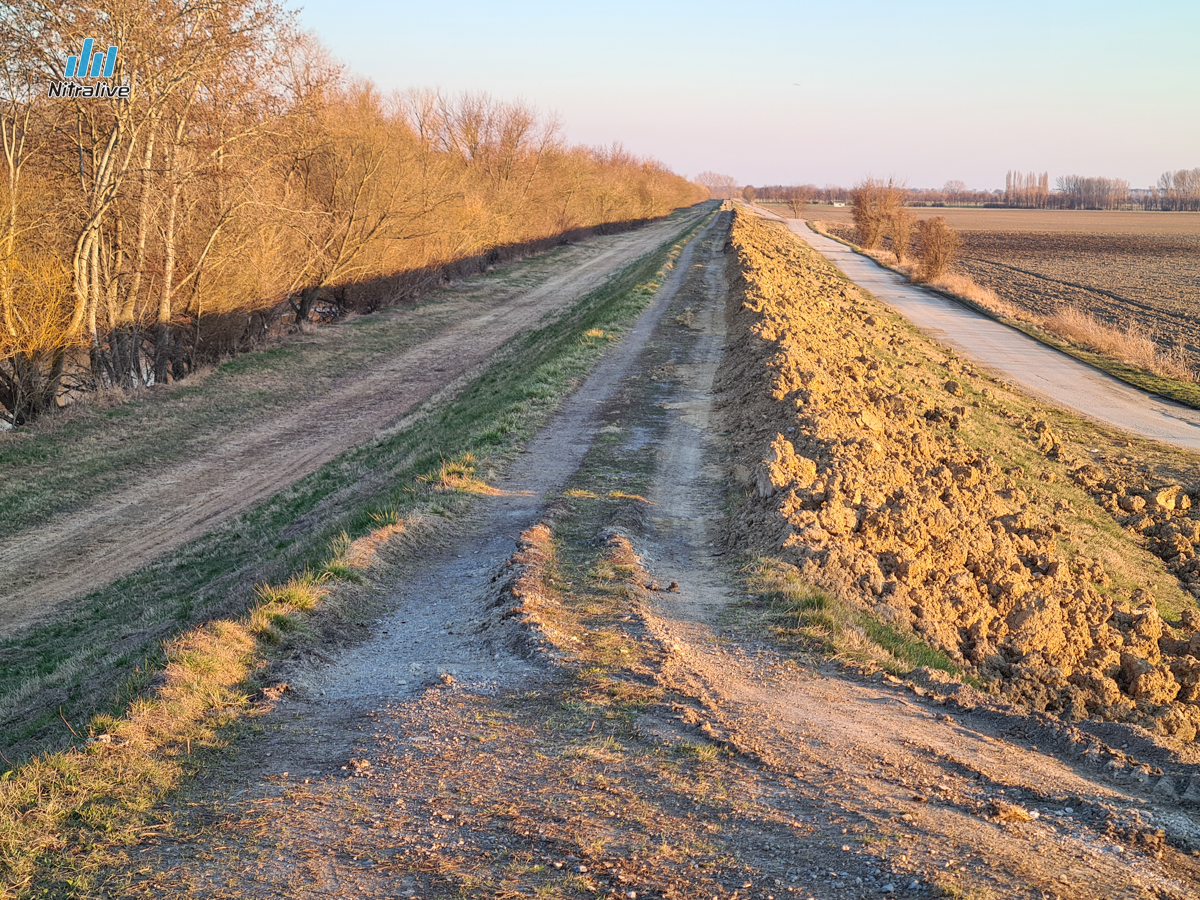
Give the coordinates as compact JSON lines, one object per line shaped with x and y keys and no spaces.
{"x":873,"y":206}
{"x":900,"y":227}
{"x":939,"y":244}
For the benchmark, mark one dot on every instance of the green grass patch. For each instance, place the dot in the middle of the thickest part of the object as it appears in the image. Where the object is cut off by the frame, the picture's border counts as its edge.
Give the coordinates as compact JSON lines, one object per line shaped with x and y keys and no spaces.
{"x":820,"y":621}
{"x":88,"y":450}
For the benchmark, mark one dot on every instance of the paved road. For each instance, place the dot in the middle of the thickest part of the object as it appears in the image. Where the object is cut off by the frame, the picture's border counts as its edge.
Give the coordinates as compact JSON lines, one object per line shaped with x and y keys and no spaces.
{"x":1054,"y":376}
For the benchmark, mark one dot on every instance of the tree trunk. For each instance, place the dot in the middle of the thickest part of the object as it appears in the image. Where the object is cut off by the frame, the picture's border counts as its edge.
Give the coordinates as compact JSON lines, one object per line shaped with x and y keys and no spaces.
{"x":162,"y":335}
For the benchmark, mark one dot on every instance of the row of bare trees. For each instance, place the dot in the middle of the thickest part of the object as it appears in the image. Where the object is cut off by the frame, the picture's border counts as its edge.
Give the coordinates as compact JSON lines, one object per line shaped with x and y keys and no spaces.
{"x":1027,"y":190}
{"x":1086,"y":192}
{"x":952,"y":193}
{"x":719,"y":186}
{"x":248,"y":179}
{"x":1178,"y":190}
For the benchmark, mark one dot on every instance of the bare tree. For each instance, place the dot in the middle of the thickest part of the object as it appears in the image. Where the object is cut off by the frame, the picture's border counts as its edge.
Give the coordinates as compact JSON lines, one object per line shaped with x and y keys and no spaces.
{"x":874,"y":204}
{"x":722,"y":187}
{"x":798,"y":199}
{"x":954,"y":190}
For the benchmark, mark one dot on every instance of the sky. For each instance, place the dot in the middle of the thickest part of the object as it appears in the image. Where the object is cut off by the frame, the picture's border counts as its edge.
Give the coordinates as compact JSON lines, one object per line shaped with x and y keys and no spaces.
{"x":828,"y":92}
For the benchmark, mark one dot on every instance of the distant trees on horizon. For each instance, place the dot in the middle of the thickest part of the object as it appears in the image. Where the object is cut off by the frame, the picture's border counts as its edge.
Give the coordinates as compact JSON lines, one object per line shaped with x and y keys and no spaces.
{"x":1176,"y":190}
{"x":1028,"y":191}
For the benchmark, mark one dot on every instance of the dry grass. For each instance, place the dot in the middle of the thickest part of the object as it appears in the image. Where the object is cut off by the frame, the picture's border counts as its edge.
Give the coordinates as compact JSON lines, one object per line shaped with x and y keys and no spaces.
{"x":1041,"y":221}
{"x":1130,"y":343}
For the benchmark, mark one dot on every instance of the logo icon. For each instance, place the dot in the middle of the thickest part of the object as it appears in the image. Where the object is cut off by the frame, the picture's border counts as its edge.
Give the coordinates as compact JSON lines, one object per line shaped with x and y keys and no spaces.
{"x":100,"y":64}
{"x":77,"y":66}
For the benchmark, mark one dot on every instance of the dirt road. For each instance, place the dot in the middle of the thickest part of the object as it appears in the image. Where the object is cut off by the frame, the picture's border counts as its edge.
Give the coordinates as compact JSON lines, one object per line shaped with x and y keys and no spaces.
{"x":1036,"y":368}
{"x":43,"y":567}
{"x":441,"y":758}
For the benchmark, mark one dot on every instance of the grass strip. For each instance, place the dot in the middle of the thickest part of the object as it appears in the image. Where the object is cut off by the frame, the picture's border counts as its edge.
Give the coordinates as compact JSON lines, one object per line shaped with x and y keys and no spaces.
{"x":65,"y":814}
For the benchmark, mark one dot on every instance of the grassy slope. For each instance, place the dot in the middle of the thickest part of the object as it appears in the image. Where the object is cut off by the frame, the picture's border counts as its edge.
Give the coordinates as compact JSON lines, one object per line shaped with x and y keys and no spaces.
{"x":88,"y":449}
{"x":114,"y":637}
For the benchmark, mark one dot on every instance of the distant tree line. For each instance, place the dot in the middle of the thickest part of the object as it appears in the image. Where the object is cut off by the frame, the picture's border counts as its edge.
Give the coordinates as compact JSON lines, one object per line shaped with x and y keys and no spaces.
{"x":1175,"y":190}
{"x":953,"y":193}
{"x":1178,"y":190}
{"x":1083,"y":192}
{"x":248,"y":183}
{"x":720,"y":187}
{"x":784,"y":193}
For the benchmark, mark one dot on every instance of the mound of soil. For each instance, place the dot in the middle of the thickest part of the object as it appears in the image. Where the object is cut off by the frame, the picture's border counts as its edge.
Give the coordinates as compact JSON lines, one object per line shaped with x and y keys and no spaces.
{"x":850,"y":450}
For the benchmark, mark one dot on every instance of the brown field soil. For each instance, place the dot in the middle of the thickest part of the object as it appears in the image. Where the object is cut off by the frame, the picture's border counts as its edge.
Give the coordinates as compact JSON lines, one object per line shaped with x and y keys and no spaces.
{"x":1123,"y":268}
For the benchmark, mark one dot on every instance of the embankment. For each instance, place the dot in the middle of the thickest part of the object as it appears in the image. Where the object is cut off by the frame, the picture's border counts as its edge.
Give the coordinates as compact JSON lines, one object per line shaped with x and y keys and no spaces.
{"x":892,"y":474}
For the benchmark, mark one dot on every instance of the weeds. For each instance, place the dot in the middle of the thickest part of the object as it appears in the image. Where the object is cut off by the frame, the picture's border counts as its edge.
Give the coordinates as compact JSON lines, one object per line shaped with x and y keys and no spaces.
{"x":1130,"y":344}
{"x":834,"y":626}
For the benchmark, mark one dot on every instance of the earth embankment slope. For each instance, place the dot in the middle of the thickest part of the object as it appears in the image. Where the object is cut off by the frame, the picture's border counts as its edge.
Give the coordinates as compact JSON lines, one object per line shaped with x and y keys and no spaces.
{"x":885,"y":468}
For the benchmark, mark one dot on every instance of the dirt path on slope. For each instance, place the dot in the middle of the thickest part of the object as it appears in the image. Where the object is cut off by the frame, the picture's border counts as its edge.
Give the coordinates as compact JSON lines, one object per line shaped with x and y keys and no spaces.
{"x":444,"y":630}
{"x":1036,"y":368}
{"x":926,"y":779}
{"x":55,"y":562}
{"x":442,"y":759}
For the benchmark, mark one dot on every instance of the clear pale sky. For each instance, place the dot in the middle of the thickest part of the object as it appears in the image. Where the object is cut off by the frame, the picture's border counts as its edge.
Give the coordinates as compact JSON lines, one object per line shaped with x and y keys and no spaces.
{"x":822,"y":92}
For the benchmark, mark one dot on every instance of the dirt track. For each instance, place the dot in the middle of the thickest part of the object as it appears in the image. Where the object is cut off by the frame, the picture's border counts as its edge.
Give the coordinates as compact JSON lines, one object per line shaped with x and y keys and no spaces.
{"x":379,"y":778}
{"x":74,"y":553}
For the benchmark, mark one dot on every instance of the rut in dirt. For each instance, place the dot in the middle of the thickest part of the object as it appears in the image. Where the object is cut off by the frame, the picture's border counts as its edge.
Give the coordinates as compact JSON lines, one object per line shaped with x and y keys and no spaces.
{"x":443,"y":599}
